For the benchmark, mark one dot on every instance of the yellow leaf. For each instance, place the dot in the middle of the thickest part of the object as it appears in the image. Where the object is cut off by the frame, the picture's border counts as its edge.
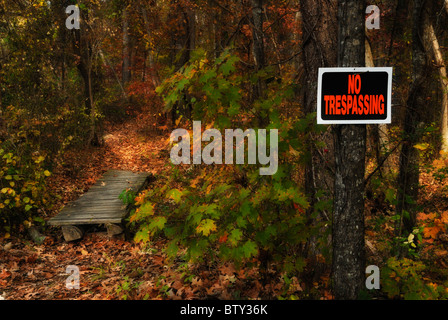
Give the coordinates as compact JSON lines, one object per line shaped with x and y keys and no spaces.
{"x":293,"y":151}
{"x":178,"y":120}
{"x":47,"y":173}
{"x":209,"y":188}
{"x":40,"y":159}
{"x":84,"y":252}
{"x":7,"y":235}
{"x":421,"y":146}
{"x":206,"y":226}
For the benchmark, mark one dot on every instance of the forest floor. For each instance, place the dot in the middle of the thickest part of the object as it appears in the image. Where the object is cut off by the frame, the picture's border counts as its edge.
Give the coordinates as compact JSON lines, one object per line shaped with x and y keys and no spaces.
{"x":116,"y":268}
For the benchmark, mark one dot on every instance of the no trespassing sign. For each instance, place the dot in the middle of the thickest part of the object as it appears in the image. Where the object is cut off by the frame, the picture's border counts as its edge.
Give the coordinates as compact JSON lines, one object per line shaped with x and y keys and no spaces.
{"x":354,"y":95}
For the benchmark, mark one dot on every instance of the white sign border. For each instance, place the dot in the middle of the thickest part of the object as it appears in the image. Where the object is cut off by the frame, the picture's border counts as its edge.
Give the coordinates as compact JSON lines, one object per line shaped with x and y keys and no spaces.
{"x":388,"y":119}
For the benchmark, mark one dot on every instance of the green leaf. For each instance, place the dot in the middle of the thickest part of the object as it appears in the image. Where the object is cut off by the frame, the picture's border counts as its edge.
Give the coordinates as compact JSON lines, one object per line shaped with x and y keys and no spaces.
{"x":215,"y":95}
{"x":157,"y":223}
{"x":207,"y":76}
{"x":245,"y":208}
{"x":175,"y":194}
{"x":211,"y":210}
{"x":142,"y":235}
{"x":224,"y":122}
{"x":147,"y":209}
{"x":206,"y":226}
{"x":181,"y":84}
{"x":235,"y":236}
{"x":244,"y":193}
{"x":229,"y":66}
{"x":241,"y":222}
{"x":249,"y":249}
{"x":390,"y":196}
{"x":234,"y":109}
{"x":172,"y":249}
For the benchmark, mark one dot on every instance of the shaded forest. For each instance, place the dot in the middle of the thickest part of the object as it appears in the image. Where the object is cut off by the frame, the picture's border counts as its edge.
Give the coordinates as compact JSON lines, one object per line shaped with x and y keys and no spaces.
{"x":89,"y":86}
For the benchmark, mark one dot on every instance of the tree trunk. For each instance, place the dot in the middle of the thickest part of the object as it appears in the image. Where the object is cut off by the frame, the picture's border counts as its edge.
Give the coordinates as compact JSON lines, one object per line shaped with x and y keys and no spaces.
{"x":152,"y":66}
{"x":188,"y":39}
{"x":258,"y":35}
{"x":432,"y":44}
{"x":408,"y":179}
{"x":350,"y":148}
{"x":259,"y":54}
{"x":80,"y":48}
{"x":379,"y":131}
{"x":319,"y":43}
{"x":83,"y":49}
{"x":401,"y":13}
{"x":126,"y":66}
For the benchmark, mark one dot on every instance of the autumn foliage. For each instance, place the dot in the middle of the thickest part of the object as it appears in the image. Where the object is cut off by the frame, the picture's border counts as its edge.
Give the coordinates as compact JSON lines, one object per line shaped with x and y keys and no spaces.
{"x":77,"y":103}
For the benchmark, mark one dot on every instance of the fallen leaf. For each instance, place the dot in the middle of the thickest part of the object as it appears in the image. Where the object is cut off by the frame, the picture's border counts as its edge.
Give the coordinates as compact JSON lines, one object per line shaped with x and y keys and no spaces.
{"x":431,"y":232}
{"x":4,"y":274}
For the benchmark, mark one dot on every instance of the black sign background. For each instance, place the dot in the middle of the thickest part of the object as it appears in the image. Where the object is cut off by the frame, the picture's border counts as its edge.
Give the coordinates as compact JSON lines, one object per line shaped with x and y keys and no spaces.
{"x":372,"y":83}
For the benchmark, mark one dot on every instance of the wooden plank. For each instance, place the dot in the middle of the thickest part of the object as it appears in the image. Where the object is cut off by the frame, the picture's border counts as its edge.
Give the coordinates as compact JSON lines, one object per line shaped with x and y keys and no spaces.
{"x":96,"y":221}
{"x":87,"y":215}
{"x":103,"y":213}
{"x":101,"y":203}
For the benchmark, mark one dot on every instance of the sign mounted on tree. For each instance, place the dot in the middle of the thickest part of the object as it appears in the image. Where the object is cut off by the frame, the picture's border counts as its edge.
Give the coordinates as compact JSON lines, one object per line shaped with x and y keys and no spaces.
{"x":354,"y":95}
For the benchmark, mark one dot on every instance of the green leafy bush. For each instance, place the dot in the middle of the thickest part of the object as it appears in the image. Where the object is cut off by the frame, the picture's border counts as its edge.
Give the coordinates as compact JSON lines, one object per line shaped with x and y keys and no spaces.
{"x":22,"y":189}
{"x":405,"y":279}
{"x":231,"y":212}
{"x":210,"y":211}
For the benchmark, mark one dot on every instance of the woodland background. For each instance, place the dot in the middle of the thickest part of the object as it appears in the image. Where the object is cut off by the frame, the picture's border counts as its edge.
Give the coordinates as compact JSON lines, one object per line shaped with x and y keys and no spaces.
{"x":75,"y":103}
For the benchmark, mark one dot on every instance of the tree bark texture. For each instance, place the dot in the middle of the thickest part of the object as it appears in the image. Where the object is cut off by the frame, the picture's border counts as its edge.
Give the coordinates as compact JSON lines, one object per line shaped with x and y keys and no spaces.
{"x":126,"y":66}
{"x":350,"y":149}
{"x":408,"y":178}
{"x":432,"y":45}
{"x":319,"y":20}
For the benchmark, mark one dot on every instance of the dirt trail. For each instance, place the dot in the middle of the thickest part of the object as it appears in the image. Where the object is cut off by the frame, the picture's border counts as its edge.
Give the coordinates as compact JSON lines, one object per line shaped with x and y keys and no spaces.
{"x":131,"y":145}
{"x":30,"y":271}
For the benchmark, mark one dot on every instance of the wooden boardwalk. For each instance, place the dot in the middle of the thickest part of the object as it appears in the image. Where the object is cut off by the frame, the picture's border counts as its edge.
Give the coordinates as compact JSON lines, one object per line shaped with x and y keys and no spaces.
{"x":100,"y":205}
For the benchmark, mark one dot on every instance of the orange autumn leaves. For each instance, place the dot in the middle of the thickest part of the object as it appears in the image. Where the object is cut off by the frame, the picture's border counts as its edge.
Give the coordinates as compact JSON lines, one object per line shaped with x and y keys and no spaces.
{"x":433,"y":225}
{"x":435,"y":228}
